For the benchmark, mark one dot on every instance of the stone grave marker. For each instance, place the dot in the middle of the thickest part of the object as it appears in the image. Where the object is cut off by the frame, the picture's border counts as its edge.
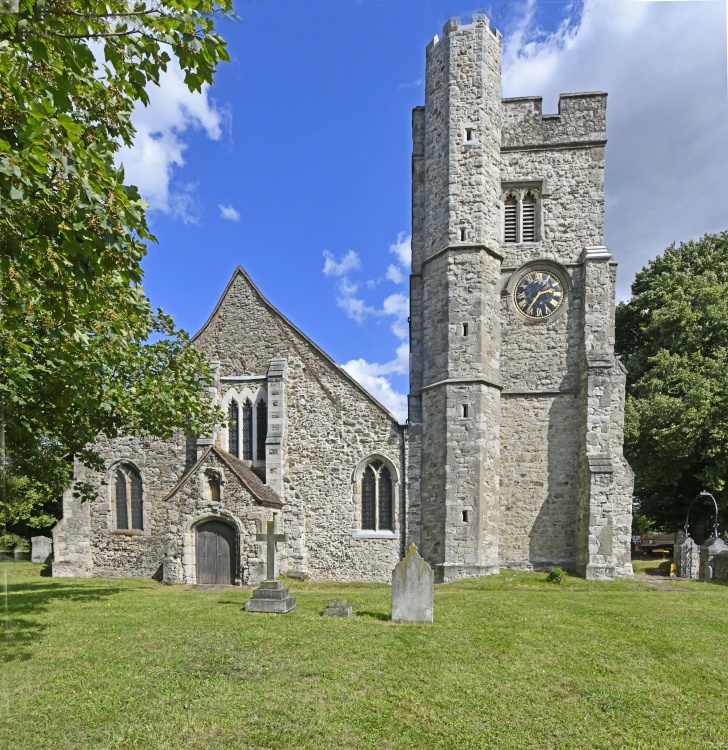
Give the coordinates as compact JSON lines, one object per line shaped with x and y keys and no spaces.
{"x":339,"y":608}
{"x":271,"y":595}
{"x":42,"y":549}
{"x":413,"y":589}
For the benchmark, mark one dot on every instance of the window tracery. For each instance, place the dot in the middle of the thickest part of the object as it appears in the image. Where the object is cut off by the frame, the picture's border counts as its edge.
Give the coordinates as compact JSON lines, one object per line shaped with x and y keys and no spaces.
{"x":521,"y":215}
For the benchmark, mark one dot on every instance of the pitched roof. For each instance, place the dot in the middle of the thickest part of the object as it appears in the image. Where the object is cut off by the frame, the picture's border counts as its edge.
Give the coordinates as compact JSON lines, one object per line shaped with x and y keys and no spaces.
{"x":250,"y":480}
{"x":240,"y":271}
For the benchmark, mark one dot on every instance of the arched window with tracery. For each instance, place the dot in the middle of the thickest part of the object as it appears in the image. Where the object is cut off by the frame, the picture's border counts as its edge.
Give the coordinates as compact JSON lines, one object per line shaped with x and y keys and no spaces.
{"x":248,"y":430}
{"x":234,"y":428}
{"x":261,"y":429}
{"x":376,"y":497}
{"x":128,"y":498}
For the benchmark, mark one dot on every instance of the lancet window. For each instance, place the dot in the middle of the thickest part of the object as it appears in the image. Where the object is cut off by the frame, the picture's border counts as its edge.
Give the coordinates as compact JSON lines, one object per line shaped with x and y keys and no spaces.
{"x":128,"y":498}
{"x":247,"y":412}
{"x":376,"y":497}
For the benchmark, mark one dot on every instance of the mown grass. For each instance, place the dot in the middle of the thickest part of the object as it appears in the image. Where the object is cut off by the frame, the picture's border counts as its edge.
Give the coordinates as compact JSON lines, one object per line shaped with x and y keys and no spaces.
{"x":510,"y":662}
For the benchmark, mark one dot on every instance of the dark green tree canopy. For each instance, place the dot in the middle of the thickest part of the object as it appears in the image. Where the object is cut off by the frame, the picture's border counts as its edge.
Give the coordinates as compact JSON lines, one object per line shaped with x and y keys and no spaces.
{"x":673,"y":337}
{"x":81,"y":350}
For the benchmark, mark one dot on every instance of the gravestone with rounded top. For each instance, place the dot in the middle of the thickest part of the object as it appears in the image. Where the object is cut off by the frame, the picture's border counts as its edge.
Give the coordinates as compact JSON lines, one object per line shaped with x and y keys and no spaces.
{"x":413,"y":589}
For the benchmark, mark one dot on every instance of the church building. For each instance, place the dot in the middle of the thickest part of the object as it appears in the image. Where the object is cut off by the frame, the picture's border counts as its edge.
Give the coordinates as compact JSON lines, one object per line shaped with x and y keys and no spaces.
{"x":512,"y":452}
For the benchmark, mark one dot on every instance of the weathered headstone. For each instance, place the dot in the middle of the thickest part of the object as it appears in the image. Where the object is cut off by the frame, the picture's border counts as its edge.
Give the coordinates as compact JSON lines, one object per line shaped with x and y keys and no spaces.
{"x":339,"y":608}
{"x":42,"y":549}
{"x":413,"y":589}
{"x":271,"y":595}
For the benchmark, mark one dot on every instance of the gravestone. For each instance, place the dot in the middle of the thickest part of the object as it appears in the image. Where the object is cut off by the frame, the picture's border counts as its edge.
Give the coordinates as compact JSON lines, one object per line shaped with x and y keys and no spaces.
{"x":687,"y":558}
{"x":42,"y":549}
{"x":708,"y":552}
{"x":271,"y":595}
{"x":413,"y":589}
{"x":338,"y":608}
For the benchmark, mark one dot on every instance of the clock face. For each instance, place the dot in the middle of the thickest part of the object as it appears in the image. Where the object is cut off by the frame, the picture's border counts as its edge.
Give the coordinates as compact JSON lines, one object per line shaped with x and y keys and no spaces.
{"x":539,"y":294}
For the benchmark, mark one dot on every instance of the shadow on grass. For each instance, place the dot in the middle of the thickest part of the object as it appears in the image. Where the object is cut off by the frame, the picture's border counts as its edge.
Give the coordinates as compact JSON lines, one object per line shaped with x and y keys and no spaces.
{"x":22,"y":605}
{"x":373,"y":615}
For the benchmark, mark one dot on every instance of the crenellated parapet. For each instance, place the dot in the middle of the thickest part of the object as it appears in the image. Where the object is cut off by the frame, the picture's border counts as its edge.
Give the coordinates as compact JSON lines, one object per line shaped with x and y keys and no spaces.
{"x":581,"y":121}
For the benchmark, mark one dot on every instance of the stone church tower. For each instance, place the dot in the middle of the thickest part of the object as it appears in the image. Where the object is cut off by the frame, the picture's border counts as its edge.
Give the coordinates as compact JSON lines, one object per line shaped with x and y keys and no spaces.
{"x":516,"y":400}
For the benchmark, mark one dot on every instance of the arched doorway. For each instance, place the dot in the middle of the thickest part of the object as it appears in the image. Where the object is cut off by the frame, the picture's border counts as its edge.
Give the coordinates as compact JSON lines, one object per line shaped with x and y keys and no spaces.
{"x":216,"y":547}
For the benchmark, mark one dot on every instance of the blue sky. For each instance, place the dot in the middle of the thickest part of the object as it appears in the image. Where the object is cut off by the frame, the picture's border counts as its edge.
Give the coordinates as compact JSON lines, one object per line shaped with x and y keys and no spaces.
{"x":296,"y":163}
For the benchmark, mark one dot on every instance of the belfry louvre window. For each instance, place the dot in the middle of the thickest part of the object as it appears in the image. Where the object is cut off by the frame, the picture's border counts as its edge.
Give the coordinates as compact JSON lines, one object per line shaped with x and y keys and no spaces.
{"x":128,"y":499}
{"x":376,"y":498}
{"x":520,"y":216}
{"x":528,"y":218}
{"x":511,"y":219}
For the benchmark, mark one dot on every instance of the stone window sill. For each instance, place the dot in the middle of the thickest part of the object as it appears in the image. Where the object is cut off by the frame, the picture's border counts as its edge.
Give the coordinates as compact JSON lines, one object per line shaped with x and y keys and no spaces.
{"x":369,"y":534}
{"x":127,"y":532}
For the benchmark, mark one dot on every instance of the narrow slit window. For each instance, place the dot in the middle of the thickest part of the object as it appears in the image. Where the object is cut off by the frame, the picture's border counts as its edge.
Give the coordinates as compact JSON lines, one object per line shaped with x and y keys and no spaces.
{"x":465,"y":329}
{"x":465,"y":410}
{"x":469,"y":134}
{"x":465,"y":516}
{"x":463,"y":235}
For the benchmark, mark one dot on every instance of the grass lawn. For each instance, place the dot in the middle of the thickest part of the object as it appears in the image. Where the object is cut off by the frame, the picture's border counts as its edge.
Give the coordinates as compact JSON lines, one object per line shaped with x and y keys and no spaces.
{"x":510,"y":662}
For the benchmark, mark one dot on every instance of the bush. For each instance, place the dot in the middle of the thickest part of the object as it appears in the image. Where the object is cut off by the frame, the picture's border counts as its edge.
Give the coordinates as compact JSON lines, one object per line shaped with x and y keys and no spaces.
{"x":9,"y":542}
{"x":557,"y":575}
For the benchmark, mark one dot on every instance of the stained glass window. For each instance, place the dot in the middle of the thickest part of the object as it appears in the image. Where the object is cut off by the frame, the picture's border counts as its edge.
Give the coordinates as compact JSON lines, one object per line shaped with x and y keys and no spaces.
{"x":122,"y":515}
{"x":385,"y":499}
{"x":248,"y":430}
{"x":368,"y":499}
{"x":262,"y":431}
{"x":234,"y":429}
{"x":128,"y":499}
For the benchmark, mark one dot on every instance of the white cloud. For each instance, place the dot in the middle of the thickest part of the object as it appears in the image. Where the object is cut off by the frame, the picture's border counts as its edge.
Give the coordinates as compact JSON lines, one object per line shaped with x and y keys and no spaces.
{"x":375,"y":378}
{"x":394,"y":274}
{"x":663,"y":65}
{"x":349,"y":262}
{"x":229,"y":213}
{"x":402,"y":248}
{"x":160,"y":141}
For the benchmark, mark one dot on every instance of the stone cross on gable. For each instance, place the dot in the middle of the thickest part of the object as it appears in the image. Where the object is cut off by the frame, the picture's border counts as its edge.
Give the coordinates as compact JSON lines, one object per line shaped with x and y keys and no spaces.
{"x":270,"y":537}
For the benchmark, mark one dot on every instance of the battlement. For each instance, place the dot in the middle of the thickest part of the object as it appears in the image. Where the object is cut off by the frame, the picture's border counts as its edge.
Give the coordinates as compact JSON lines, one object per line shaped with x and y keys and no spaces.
{"x":455,"y":25}
{"x":582,"y":118}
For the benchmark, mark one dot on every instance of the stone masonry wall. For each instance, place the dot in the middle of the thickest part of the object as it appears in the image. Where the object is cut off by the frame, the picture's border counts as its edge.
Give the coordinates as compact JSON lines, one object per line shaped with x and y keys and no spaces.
{"x":331,"y":427}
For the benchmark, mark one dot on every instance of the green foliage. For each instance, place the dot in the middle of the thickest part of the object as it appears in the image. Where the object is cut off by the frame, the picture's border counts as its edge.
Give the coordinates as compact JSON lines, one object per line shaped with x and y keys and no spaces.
{"x":10,"y":542}
{"x":673,"y":337}
{"x":81,"y":350}
{"x":556,"y":575}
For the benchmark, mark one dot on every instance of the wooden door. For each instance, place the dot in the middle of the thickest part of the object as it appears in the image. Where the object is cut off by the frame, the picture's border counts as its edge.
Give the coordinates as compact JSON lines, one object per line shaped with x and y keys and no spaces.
{"x":215,"y":552}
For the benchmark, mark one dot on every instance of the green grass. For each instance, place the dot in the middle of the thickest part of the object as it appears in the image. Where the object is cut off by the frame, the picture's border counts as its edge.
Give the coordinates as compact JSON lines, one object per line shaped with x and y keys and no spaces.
{"x":510,"y":662}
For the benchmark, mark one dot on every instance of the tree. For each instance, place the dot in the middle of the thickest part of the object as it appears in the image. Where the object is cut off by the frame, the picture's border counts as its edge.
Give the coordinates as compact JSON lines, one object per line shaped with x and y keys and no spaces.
{"x":81,"y":350}
{"x":673,"y":337}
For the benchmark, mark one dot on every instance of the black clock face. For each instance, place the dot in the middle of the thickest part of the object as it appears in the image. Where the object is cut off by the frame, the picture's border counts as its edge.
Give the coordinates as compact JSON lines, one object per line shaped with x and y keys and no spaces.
{"x":539,"y":294}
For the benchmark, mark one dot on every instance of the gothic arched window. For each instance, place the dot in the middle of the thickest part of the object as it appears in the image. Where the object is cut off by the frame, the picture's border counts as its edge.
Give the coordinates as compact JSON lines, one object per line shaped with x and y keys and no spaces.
{"x":248,"y":430}
{"x":234,"y":429}
{"x":128,"y":498}
{"x":376,"y":497}
{"x":261,"y":429}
